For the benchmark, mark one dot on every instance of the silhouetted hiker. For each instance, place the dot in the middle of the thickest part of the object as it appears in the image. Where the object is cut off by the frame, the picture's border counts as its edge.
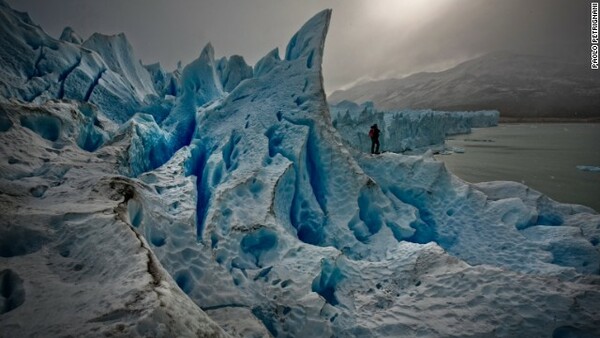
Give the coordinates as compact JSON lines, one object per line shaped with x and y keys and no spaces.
{"x":374,"y":135}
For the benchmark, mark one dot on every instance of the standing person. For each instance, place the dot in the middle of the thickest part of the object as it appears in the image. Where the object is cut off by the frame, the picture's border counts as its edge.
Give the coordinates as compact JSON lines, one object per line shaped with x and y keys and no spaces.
{"x":374,"y":135}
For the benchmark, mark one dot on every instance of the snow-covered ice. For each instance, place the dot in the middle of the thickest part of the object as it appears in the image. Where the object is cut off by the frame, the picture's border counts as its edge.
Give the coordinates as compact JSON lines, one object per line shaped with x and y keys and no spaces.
{"x":70,"y":261}
{"x":226,"y":203}
{"x":102,"y":69}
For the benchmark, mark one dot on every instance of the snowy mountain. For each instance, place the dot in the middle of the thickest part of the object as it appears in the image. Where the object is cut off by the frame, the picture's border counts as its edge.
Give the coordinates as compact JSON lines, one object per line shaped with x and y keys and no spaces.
{"x":516,"y":85}
{"x":240,"y":211}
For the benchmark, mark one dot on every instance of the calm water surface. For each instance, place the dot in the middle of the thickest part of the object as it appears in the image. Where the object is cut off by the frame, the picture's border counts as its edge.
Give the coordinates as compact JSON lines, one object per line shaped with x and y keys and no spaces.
{"x":542,"y":156}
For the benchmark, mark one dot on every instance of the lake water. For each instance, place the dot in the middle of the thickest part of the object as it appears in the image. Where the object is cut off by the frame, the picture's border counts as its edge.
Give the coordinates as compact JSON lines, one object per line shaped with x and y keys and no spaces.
{"x":542,"y":156}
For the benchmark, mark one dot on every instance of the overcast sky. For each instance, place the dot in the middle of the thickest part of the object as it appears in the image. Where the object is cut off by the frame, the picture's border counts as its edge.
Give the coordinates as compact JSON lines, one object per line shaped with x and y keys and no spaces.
{"x":368,"y":39}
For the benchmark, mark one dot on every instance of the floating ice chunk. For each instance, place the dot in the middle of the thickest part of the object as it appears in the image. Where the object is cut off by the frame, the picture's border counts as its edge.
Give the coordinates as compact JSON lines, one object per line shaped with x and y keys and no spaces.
{"x":591,"y":168}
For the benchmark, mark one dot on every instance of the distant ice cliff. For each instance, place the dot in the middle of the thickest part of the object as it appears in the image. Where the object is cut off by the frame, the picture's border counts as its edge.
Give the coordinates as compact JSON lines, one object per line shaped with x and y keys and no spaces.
{"x":405,"y":130}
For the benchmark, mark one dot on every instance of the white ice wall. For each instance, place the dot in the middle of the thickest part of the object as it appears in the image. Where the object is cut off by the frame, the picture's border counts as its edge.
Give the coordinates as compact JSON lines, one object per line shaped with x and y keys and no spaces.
{"x":406,"y":129}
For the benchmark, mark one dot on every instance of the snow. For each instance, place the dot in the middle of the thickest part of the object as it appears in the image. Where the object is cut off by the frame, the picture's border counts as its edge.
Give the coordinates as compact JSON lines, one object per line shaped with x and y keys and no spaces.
{"x":405,"y":130}
{"x":243,"y":213}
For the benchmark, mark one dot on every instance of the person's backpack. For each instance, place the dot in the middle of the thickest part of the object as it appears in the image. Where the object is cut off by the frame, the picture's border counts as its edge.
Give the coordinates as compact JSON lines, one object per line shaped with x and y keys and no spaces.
{"x":371,"y":133}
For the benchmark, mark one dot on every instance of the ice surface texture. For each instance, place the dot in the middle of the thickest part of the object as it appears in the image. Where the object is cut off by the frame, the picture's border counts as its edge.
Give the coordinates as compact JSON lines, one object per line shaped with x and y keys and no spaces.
{"x":243,"y":204}
{"x":71,"y":262}
{"x":102,"y":70}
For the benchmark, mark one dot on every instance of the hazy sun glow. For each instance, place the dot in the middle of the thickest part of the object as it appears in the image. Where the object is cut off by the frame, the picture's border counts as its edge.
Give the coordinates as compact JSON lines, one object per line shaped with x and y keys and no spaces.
{"x":402,"y":12}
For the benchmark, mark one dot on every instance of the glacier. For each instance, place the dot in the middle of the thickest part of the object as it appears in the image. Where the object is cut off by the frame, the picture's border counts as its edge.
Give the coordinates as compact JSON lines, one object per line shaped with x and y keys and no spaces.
{"x":405,"y":131}
{"x":220,"y":200}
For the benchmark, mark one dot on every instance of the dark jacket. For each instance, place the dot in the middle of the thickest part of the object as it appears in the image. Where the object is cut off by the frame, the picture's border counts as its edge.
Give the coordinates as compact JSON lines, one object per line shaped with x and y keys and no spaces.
{"x":374,"y":132}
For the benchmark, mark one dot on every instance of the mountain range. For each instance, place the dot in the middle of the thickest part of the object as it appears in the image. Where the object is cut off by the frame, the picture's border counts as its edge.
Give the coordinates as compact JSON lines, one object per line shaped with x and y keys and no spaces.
{"x":516,"y":85}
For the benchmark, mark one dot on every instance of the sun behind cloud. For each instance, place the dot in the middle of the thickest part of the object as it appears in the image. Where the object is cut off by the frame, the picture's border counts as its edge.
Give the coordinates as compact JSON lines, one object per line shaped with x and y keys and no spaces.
{"x":403,"y":13}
